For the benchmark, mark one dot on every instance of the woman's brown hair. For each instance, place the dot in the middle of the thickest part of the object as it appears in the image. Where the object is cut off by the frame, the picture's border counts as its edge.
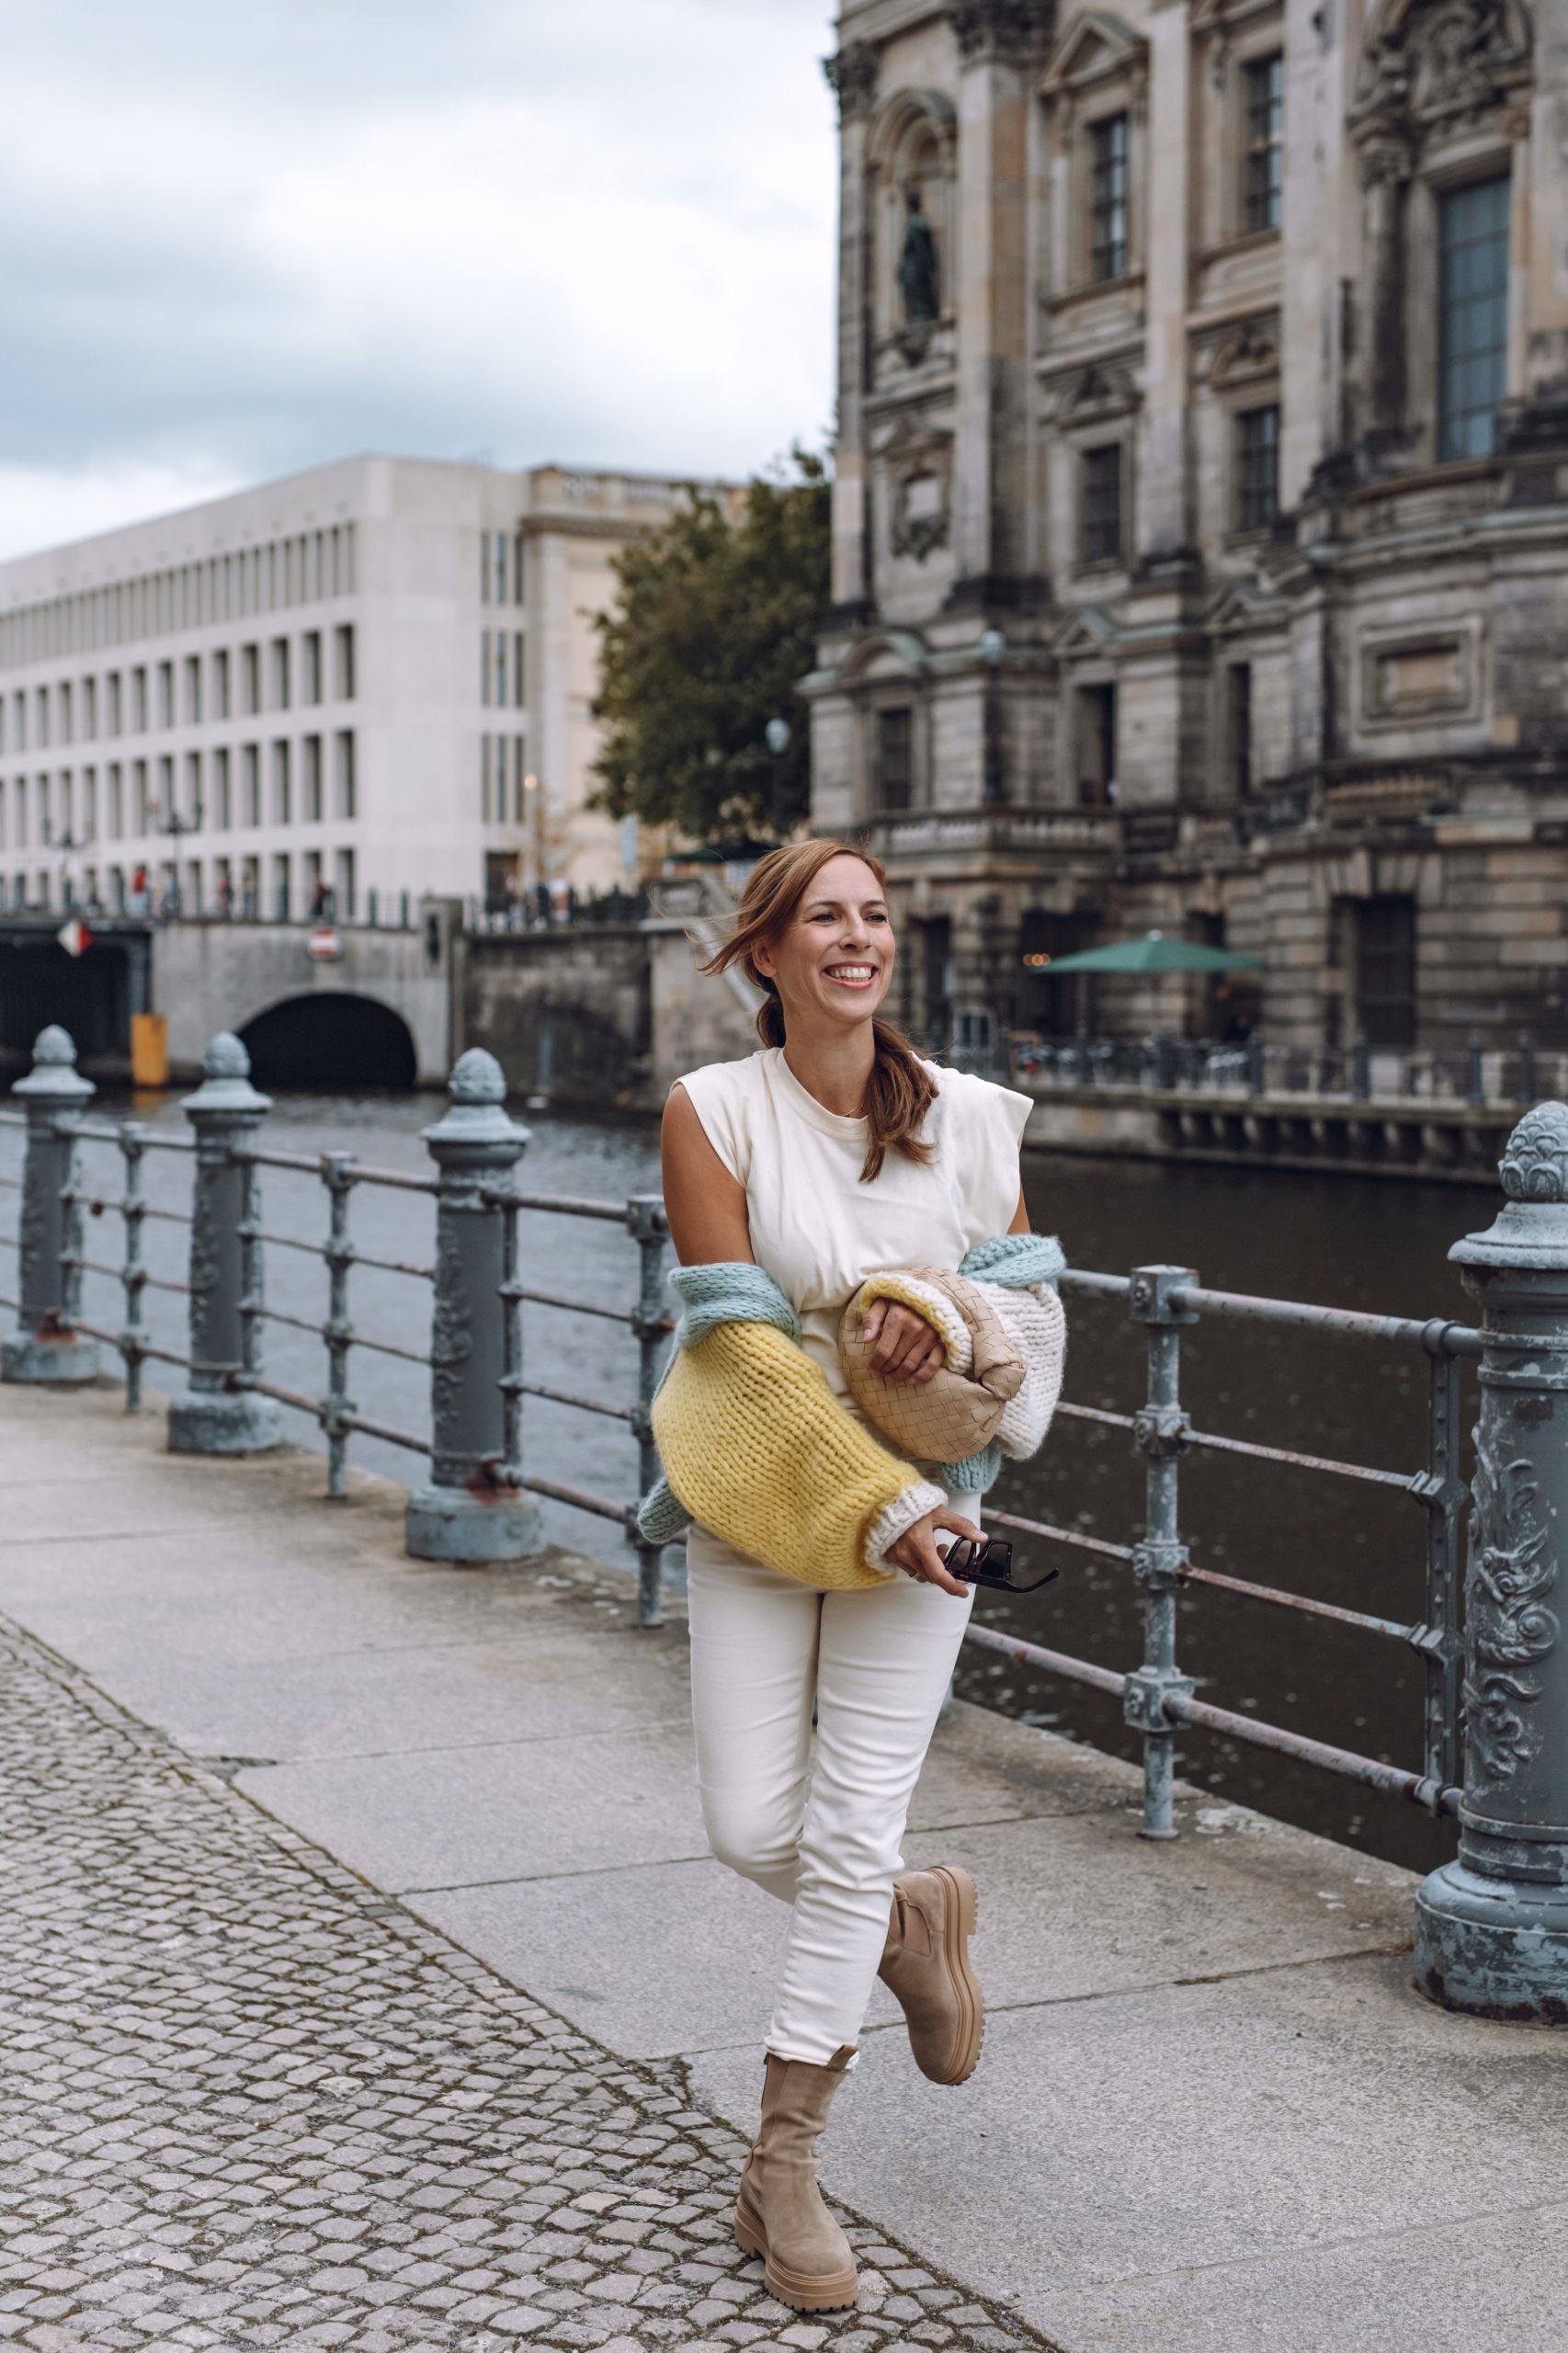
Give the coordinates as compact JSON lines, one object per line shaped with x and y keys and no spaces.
{"x":901,"y":1090}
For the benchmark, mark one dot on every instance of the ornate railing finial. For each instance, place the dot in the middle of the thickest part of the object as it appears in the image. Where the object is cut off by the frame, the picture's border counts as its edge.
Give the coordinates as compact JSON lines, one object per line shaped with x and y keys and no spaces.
{"x":1534,"y":1166}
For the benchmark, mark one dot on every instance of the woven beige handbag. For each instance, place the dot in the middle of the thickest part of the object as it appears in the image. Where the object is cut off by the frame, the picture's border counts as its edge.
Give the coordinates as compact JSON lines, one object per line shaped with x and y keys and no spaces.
{"x":957,"y":1410}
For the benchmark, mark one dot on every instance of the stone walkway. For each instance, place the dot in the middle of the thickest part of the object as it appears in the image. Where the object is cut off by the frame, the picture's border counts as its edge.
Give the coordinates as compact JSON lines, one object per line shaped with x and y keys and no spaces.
{"x":247,"y":2102}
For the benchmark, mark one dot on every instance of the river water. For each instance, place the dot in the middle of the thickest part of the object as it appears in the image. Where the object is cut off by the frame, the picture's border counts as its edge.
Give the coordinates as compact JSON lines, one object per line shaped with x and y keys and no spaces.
{"x":1374,"y":1244}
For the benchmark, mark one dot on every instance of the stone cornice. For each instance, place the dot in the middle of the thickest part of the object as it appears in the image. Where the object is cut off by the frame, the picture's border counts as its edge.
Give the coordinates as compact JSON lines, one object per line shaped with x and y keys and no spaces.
{"x":1012,"y":32}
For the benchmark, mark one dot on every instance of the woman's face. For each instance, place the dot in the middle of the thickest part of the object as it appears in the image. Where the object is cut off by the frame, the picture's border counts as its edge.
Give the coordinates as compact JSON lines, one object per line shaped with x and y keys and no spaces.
{"x":835,"y":960}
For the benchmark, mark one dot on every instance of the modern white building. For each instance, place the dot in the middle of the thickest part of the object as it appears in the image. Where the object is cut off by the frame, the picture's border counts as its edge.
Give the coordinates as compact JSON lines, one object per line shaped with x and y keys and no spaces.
{"x":372,"y":678}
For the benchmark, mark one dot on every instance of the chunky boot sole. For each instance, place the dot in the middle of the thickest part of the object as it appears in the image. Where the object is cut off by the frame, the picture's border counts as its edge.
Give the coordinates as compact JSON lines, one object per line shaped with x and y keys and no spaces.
{"x":958,"y":1926}
{"x":832,"y":2292}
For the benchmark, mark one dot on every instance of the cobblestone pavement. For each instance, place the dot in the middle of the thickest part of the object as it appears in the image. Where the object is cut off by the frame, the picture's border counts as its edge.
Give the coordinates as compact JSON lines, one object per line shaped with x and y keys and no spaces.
{"x":247,"y":2102}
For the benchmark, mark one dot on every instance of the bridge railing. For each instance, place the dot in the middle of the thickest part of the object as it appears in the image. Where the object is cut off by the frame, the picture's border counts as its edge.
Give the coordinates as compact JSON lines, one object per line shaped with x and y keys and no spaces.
{"x":1491,"y":1930}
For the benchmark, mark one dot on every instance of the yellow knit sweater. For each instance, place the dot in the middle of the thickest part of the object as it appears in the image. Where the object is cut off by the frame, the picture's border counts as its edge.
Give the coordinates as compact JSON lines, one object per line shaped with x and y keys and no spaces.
{"x":759,"y":1450}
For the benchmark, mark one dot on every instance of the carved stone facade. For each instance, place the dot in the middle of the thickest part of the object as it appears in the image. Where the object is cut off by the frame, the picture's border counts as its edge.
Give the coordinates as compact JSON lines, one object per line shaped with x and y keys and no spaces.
{"x":1212,"y":539}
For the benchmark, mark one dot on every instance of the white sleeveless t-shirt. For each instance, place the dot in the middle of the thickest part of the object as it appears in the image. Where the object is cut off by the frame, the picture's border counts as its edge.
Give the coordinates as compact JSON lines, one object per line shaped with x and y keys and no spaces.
{"x":815,"y":1228}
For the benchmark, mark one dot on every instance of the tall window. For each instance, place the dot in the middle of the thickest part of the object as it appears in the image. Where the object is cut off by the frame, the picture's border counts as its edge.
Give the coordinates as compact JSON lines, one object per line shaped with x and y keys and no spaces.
{"x":1108,"y":197}
{"x":1257,"y":467}
{"x":896,"y":758}
{"x":343,"y":661}
{"x":1096,"y":747}
{"x":1099,"y":505}
{"x":1385,"y":970}
{"x":1472,"y":316}
{"x":344,"y":796}
{"x":1240,"y":676}
{"x":1262,"y":99}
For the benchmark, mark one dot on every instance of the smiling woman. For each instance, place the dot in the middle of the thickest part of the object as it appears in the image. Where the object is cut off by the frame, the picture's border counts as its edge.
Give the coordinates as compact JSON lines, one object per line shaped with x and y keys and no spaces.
{"x":817,"y":1584}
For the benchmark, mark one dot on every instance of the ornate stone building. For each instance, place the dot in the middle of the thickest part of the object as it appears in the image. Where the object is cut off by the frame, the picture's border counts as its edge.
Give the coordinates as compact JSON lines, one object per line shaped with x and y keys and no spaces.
{"x":1201,"y":524}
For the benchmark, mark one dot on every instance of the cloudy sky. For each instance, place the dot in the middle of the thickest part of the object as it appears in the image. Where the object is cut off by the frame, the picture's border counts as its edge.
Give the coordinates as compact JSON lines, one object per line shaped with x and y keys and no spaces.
{"x":239,"y":240}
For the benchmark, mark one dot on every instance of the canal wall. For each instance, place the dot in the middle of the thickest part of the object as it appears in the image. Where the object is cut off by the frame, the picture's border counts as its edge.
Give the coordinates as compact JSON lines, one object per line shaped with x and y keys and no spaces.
{"x":598,"y":1017}
{"x":1459,"y":1143}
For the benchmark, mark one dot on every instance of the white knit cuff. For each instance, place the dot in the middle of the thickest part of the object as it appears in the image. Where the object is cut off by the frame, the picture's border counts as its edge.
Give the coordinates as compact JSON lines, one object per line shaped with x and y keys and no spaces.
{"x":896,"y":1519}
{"x":1036,"y":1323}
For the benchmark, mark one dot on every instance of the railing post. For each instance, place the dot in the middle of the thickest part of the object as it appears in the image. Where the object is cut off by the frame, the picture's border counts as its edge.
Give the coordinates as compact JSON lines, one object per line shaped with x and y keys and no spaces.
{"x":466,"y":1512}
{"x":1256,"y":1067}
{"x":649,"y":1229}
{"x":1492,"y":1927}
{"x":1159,"y":1431}
{"x":44,"y":1347}
{"x":1361,"y":1067}
{"x":217,"y":1414}
{"x":1476,"y":1079}
{"x":1526,"y":1093}
{"x":132,"y":1273}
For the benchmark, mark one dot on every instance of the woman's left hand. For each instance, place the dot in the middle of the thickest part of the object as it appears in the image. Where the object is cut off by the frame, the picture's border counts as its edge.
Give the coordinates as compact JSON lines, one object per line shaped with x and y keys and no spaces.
{"x":906,"y":1347}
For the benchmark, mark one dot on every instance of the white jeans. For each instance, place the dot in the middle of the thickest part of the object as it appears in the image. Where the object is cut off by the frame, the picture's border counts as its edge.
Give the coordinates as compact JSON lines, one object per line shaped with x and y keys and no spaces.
{"x":824,"y":1834}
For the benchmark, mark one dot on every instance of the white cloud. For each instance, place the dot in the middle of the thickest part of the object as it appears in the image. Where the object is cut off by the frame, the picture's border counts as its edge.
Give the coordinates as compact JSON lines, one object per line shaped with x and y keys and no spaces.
{"x":602,"y":233}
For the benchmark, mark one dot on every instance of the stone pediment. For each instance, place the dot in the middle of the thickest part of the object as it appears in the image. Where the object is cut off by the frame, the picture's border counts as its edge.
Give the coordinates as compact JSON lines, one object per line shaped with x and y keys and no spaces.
{"x":884,"y":654}
{"x":1103,"y":388}
{"x":1089,"y":632}
{"x":1427,"y":61}
{"x":1240,"y":352}
{"x":1239,"y":606}
{"x":1095,"y":45}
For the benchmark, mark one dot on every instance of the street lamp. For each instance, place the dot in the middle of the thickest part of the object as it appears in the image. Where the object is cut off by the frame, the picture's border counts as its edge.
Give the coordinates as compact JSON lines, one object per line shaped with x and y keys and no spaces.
{"x":68,"y":846}
{"x":174,"y":827}
{"x":777,"y":733}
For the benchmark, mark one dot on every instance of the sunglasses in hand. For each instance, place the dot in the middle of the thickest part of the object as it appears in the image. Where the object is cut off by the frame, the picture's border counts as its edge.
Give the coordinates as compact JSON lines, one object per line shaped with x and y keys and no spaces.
{"x":989,"y":1562}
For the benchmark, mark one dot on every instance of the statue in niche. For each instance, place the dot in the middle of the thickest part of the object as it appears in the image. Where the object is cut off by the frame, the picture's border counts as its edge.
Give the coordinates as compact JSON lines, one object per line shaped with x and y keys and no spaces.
{"x":917,"y":277}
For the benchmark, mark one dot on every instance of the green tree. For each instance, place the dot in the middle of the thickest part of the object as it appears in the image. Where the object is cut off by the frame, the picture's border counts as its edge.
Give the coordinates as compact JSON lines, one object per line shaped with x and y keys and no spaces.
{"x":714,"y":627}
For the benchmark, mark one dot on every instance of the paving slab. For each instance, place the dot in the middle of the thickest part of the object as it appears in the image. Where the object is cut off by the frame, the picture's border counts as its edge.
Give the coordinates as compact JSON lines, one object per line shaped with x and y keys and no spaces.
{"x":521,"y":1810}
{"x":1192,"y":2128}
{"x":368,"y":1703}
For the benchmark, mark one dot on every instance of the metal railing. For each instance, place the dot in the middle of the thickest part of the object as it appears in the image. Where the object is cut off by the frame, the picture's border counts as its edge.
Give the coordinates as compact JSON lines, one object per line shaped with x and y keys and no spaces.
{"x":1496,"y":1713}
{"x":1473,"y":1075}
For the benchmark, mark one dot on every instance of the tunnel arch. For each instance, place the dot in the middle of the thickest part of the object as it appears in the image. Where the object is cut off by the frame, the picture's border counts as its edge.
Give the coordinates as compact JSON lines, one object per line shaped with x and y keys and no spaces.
{"x":330,"y":1038}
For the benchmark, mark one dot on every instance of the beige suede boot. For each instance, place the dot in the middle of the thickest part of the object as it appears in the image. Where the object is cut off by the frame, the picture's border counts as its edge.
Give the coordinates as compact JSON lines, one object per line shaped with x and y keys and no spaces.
{"x":926,"y":1966}
{"x":780,"y":2213}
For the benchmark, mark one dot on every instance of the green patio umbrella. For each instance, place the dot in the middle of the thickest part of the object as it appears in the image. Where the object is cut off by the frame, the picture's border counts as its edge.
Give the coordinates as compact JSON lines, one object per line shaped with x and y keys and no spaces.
{"x":1154,"y":952}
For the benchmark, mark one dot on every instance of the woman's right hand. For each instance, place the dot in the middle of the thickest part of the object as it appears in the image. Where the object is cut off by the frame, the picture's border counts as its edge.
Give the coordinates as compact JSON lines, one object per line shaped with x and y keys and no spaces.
{"x":916,"y":1552}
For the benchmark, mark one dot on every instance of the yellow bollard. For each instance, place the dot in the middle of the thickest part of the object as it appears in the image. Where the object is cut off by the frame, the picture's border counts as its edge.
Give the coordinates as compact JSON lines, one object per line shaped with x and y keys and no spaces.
{"x":149,"y":1050}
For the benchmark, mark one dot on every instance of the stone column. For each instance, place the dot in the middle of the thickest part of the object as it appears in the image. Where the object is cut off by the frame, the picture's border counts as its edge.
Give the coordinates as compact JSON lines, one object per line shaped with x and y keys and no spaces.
{"x":44,"y":1347}
{"x":1163,"y":523}
{"x":463,"y":1513}
{"x":215,"y":1414}
{"x":998,"y":40}
{"x":1385,"y":181}
{"x":1533,"y":428}
{"x":1492,"y":1927}
{"x":853,"y":74}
